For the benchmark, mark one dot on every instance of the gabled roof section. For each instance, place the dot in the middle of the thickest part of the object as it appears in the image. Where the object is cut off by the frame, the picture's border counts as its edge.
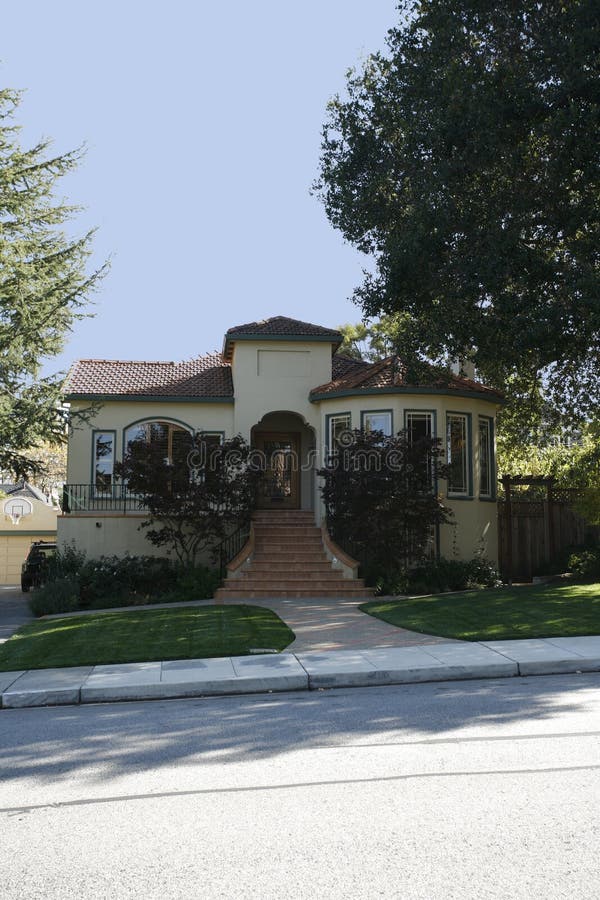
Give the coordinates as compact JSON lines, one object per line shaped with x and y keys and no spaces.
{"x":24,"y":489}
{"x":278,"y":328}
{"x":203,"y":378}
{"x":389,"y":376}
{"x":342,"y":366}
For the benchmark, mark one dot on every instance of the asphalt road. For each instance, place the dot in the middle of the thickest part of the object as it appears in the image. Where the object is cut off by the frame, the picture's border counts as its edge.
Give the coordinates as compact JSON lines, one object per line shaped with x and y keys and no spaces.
{"x":461,"y":790}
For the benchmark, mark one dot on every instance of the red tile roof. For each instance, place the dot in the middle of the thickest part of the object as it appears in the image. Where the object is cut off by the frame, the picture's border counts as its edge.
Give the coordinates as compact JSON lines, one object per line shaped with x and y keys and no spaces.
{"x":390,"y":373}
{"x":343,"y":366}
{"x":202,"y":377}
{"x":284,"y":327}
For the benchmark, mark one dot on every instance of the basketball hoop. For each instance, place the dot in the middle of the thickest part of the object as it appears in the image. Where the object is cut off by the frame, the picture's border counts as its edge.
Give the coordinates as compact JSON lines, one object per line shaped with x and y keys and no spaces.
{"x":17,"y":507}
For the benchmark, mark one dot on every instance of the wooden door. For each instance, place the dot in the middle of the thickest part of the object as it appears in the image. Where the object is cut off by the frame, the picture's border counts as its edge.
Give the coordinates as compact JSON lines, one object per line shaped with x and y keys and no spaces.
{"x":280,"y":487}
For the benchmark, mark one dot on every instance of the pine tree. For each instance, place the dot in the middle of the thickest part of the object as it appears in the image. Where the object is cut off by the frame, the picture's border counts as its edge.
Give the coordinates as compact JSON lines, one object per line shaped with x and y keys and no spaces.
{"x":44,"y":288}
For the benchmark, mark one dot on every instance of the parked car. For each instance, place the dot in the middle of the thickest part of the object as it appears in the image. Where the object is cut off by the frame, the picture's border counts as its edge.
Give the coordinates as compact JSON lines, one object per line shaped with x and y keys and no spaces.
{"x":34,"y":567}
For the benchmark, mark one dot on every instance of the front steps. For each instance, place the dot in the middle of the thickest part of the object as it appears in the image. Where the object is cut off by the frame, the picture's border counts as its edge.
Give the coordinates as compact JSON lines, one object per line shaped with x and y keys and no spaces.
{"x":289,"y":560}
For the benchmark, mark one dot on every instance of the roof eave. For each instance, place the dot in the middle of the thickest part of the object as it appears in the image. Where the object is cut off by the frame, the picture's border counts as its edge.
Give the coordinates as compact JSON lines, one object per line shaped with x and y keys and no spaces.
{"x":147,"y":398}
{"x":231,"y":339}
{"x":488,"y":397}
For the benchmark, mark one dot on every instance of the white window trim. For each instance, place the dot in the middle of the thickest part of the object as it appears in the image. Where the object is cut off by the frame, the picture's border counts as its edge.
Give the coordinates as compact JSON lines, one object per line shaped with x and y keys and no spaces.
{"x":331,"y":417}
{"x":377,"y":412}
{"x":467,"y":493}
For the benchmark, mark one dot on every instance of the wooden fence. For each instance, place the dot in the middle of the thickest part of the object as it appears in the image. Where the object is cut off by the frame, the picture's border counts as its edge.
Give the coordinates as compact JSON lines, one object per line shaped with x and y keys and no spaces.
{"x":533,"y":533}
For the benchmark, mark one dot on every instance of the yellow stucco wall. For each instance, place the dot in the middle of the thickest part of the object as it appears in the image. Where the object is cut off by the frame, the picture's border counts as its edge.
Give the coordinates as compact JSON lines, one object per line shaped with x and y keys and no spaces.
{"x":15,"y":540}
{"x":276,"y":377}
{"x":118,"y":415}
{"x":109,"y":535}
{"x":281,"y":386}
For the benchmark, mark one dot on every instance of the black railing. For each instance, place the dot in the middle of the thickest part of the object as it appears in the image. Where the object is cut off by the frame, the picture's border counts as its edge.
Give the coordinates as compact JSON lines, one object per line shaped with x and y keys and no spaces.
{"x":114,"y":497}
{"x":231,"y":546}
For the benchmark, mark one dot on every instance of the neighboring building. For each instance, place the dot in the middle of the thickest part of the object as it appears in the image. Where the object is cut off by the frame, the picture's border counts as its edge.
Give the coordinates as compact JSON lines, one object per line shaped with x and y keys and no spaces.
{"x":282,"y":385}
{"x":28,"y":516}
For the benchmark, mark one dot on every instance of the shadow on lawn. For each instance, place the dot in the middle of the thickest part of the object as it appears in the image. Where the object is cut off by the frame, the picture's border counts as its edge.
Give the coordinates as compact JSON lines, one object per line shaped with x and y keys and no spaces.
{"x":104,"y":742}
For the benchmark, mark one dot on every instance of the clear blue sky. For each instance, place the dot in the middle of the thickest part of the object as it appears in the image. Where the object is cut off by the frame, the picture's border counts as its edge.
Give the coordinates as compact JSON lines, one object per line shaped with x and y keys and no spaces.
{"x":203,"y":127}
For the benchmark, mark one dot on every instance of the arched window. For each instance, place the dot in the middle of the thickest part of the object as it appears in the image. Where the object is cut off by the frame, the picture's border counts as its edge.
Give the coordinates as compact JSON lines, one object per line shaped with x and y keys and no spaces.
{"x":174,"y":438}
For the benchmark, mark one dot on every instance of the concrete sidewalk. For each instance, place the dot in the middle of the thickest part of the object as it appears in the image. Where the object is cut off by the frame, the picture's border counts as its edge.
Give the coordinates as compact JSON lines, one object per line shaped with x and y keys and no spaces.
{"x":302,"y":671}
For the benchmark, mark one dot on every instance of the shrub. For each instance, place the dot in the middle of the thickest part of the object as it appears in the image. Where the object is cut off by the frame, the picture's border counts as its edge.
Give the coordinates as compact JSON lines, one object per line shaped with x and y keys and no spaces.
{"x":75,"y":582}
{"x":585,"y":563}
{"x":195,"y":583}
{"x":60,"y":595}
{"x":124,"y":580}
{"x":440,"y":575}
{"x":380,"y":498}
{"x":65,"y":563}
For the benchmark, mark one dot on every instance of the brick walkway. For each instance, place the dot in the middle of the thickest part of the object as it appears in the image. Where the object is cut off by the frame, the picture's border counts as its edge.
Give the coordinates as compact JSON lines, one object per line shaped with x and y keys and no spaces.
{"x":338,"y":624}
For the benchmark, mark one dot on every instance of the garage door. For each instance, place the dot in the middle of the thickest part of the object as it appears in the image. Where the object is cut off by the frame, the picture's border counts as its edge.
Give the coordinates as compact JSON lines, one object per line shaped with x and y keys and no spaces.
{"x":13,"y":551}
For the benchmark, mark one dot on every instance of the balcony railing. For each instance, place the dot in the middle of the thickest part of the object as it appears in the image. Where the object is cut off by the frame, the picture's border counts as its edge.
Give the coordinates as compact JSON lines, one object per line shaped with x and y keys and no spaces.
{"x":114,"y":498}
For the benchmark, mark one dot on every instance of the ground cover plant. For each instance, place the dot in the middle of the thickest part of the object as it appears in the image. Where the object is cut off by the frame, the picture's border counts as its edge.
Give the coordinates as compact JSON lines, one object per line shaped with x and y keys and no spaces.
{"x":560,"y":609}
{"x":144,"y":635}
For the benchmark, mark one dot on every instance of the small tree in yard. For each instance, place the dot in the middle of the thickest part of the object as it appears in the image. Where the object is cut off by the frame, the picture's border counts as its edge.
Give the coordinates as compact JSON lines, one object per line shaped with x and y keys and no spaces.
{"x":195,"y":499}
{"x":380,"y":498}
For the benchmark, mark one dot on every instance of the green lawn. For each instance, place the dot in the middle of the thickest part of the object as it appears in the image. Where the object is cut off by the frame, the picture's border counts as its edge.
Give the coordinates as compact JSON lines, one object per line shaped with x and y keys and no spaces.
{"x":548,"y":610}
{"x":154,"y":634}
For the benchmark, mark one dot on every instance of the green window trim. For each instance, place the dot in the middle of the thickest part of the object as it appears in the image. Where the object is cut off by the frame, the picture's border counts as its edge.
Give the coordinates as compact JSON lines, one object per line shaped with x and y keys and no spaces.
{"x":95,"y":432}
{"x":466,"y":494}
{"x":147,"y":420}
{"x":205,"y":432}
{"x":432,"y":413}
{"x":328,"y":420}
{"x":491,"y":494}
{"x":377,"y":412}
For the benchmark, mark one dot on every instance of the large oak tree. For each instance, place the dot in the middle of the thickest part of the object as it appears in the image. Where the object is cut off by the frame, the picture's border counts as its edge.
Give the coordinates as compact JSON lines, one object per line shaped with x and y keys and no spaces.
{"x":465,"y":159}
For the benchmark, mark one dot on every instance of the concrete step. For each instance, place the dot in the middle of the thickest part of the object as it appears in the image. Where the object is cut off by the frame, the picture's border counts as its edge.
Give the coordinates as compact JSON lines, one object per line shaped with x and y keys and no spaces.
{"x":344,"y":591}
{"x":277,"y":565}
{"x":289,"y":552}
{"x":289,"y":582}
{"x":285,"y":518}
{"x":289,"y":561}
{"x":299,"y":531}
{"x":288,"y":541}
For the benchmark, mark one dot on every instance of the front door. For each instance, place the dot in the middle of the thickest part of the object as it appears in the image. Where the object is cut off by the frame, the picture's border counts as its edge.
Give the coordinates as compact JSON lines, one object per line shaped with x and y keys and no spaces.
{"x":280,"y":488}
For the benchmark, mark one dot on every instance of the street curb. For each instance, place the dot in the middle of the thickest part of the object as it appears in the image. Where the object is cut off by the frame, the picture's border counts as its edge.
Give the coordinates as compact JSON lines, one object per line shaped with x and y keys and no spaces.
{"x":311,"y":670}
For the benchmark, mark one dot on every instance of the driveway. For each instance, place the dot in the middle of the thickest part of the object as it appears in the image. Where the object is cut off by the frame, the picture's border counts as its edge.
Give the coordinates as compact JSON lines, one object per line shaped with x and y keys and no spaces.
{"x":14,"y":610}
{"x":338,"y":624}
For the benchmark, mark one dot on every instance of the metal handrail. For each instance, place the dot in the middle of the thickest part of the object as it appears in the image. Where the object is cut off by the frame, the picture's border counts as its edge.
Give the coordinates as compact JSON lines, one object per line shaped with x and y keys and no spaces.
{"x":229,"y":548}
{"x":115,"y":497}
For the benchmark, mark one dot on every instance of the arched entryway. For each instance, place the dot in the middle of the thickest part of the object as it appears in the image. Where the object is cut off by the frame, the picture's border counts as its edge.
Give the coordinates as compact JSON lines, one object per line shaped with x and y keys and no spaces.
{"x":287,"y":447}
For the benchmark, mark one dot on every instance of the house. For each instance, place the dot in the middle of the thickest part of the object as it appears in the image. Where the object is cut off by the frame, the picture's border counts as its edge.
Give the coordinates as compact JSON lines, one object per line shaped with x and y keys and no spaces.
{"x":283,"y":385}
{"x":27,"y":516}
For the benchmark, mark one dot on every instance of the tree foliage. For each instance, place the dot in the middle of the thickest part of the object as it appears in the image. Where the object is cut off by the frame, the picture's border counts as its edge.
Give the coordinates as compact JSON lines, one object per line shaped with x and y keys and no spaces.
{"x":373,"y":340}
{"x":196,"y":499}
{"x":44,"y":287}
{"x":465,"y":159}
{"x":380,"y":499}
